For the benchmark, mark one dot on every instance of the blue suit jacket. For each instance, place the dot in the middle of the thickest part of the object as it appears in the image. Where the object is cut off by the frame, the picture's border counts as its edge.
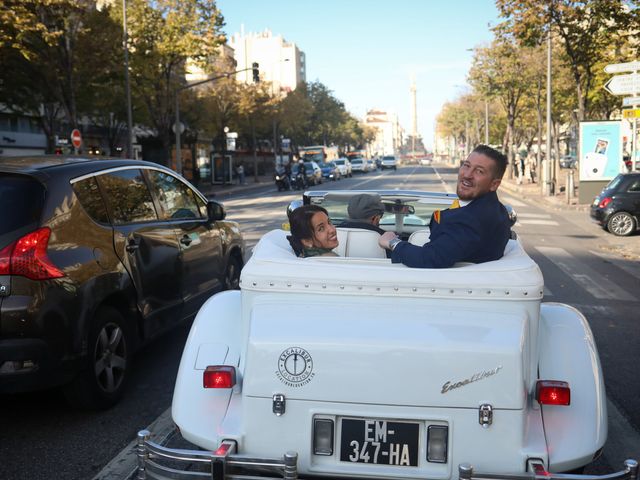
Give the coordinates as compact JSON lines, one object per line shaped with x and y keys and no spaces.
{"x":475,"y":233}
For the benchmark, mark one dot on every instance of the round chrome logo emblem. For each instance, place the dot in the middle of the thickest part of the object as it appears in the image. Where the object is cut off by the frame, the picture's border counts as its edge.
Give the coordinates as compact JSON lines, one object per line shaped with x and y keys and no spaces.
{"x":295,"y":367}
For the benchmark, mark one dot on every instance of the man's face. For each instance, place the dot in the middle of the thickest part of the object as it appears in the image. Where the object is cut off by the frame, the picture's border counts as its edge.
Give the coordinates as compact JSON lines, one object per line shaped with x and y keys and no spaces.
{"x":476,"y":177}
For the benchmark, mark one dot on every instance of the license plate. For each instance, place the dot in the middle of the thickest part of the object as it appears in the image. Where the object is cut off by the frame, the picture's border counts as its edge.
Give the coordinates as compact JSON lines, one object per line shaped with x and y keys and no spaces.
{"x":380,"y":442}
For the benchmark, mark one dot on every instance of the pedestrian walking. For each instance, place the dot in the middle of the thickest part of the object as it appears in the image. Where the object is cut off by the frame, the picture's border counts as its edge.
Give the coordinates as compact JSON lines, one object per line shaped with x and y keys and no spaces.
{"x":531,"y":165}
{"x":240,"y":173}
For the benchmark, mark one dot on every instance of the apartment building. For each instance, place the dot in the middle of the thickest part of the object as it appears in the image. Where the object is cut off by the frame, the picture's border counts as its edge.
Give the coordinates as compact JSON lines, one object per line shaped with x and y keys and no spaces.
{"x":280,"y":62}
{"x":389,"y":132}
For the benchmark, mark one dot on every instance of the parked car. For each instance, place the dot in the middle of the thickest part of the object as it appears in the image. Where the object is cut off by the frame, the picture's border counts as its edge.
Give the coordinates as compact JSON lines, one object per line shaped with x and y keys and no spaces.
{"x":355,"y":367}
{"x":312,"y":171}
{"x":568,"y":161}
{"x":330,"y":170}
{"x":617,"y":207}
{"x":361,"y":164}
{"x":98,"y":256}
{"x":344,"y":165}
{"x":389,"y":161}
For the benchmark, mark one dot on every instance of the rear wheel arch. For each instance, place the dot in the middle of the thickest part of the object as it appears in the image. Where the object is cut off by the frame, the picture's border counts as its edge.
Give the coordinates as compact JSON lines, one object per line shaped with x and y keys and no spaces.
{"x":105,"y":368}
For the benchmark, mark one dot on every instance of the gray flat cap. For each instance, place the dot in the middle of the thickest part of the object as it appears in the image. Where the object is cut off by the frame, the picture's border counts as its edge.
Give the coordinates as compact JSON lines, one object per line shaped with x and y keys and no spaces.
{"x":364,"y":206}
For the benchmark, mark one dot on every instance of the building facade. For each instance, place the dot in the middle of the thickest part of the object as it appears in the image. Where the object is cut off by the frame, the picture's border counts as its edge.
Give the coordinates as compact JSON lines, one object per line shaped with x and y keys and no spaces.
{"x":280,"y":62}
{"x":389,"y":133}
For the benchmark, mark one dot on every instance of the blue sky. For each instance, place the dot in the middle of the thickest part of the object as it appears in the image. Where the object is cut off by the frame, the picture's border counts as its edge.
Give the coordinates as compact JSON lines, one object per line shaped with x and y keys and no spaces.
{"x":366,"y":50}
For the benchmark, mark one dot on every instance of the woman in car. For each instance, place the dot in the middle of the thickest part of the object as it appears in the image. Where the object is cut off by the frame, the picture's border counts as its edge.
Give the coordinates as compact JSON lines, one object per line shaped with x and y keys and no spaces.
{"x":312,"y":233}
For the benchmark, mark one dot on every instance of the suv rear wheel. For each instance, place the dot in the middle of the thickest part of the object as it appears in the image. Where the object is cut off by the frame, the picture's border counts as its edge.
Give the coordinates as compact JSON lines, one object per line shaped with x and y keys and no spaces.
{"x":621,"y":224}
{"x":101,"y":382}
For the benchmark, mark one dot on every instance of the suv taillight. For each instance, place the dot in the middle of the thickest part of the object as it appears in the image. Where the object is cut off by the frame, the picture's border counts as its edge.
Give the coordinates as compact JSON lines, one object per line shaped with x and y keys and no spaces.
{"x":27,"y":257}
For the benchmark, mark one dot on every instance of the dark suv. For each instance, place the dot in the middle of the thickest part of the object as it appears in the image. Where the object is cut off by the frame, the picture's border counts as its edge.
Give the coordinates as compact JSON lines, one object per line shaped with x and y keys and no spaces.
{"x":96,"y":258}
{"x":617,"y":208}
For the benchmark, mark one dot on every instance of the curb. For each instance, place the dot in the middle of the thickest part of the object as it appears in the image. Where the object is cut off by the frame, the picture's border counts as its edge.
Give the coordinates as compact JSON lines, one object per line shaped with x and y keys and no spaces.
{"x":124,"y":466}
{"x":221,"y":191}
{"x":557,"y":201}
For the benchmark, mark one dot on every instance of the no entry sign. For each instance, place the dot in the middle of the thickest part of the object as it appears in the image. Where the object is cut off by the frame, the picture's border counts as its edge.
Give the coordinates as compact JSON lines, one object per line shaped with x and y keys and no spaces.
{"x":76,"y":138}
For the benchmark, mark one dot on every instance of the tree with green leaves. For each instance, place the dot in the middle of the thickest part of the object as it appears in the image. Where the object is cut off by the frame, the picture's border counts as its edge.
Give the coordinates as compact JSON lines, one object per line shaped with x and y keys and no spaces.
{"x":48,"y":51}
{"x":500,"y":71}
{"x":585,"y":28}
{"x":162,"y":35}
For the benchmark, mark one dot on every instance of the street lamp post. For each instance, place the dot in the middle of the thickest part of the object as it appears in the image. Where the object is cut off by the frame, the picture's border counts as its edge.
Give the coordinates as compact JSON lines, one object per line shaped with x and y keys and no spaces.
{"x":125,"y":41}
{"x":547,"y":161}
{"x":486,"y":122}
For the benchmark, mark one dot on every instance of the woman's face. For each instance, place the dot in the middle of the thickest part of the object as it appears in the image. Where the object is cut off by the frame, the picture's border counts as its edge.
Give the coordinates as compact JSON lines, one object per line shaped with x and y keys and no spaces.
{"x":324,"y":233}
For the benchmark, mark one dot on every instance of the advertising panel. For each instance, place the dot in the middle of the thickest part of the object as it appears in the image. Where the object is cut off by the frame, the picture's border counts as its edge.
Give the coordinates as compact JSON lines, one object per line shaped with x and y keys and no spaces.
{"x":600,"y":150}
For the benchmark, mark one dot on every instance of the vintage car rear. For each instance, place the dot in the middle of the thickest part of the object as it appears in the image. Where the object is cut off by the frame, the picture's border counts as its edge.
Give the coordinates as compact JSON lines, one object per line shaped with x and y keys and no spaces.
{"x":364,"y":368}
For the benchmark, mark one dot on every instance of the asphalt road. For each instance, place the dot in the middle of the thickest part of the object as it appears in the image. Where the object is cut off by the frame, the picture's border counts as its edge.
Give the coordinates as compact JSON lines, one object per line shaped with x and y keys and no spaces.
{"x":41,"y":437}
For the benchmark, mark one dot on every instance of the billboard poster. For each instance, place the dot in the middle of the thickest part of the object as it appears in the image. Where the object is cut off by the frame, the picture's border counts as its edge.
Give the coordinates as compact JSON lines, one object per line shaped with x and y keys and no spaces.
{"x":600,"y":150}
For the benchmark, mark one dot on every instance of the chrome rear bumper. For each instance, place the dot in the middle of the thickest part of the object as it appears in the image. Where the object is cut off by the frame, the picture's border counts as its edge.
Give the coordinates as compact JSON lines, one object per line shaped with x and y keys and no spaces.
{"x":537,"y":471}
{"x":162,"y":463}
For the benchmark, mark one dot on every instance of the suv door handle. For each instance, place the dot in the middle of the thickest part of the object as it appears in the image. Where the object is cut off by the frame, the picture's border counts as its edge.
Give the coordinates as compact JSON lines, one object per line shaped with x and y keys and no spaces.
{"x":132,"y":246}
{"x":186,"y":240}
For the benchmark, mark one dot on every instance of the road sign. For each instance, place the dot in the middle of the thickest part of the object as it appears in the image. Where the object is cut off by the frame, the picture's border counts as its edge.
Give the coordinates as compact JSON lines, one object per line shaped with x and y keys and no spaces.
{"x":623,"y":67}
{"x":76,"y":138}
{"x":624,"y":84}
{"x":631,"y":113}
{"x":630,"y":101}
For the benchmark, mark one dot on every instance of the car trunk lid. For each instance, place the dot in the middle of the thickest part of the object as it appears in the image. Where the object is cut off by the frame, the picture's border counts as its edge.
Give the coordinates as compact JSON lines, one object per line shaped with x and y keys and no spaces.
{"x":440,"y":357}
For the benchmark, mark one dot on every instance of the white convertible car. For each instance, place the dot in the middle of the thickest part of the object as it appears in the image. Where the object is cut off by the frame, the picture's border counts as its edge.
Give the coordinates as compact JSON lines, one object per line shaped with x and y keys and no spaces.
{"x":354,"y":367}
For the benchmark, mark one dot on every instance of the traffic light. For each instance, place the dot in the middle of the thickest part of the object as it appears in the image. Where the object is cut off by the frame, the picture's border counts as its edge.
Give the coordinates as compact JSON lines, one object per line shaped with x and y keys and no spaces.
{"x":256,"y":72}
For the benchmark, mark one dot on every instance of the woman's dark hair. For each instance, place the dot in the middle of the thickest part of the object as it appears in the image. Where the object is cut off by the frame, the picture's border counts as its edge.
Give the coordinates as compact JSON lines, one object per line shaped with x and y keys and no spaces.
{"x":301,"y":228}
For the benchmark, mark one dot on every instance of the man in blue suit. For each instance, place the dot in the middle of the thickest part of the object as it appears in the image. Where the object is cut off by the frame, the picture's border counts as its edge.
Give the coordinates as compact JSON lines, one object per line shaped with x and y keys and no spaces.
{"x":474,"y":229}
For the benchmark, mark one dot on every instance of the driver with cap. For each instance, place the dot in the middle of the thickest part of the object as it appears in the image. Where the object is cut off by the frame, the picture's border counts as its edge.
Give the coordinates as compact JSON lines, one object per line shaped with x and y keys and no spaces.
{"x":365,"y":211}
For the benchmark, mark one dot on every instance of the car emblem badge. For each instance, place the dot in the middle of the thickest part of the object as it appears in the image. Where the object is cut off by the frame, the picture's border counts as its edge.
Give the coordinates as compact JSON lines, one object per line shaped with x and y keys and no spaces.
{"x":295,"y":367}
{"x":448,"y":386}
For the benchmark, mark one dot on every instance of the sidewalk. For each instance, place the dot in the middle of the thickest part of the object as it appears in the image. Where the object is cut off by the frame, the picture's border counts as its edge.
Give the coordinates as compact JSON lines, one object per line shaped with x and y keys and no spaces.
{"x":534,"y":190}
{"x":626,"y":247}
{"x":219,"y":191}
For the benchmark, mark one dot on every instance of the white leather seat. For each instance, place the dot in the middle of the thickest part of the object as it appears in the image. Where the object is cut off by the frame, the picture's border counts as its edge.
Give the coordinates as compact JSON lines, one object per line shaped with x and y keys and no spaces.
{"x":359,"y":243}
{"x":420,"y":237}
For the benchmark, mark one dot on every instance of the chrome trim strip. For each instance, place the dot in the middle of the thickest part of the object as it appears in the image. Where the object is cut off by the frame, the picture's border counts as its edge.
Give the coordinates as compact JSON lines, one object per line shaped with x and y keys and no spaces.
{"x":140,"y":167}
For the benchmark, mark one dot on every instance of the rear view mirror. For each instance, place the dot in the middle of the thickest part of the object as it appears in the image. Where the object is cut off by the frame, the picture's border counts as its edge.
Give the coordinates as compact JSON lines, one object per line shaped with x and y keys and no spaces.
{"x":215,"y":211}
{"x":400,"y":208}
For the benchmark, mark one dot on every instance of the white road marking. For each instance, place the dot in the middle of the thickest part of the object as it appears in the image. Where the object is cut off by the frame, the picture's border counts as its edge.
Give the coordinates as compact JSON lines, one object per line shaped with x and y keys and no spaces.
{"x":551,"y":223}
{"x":547,"y":292}
{"x":533,"y":215}
{"x":583,"y":275}
{"x":632,"y":267}
{"x":445,"y":184}
{"x":512,"y":201}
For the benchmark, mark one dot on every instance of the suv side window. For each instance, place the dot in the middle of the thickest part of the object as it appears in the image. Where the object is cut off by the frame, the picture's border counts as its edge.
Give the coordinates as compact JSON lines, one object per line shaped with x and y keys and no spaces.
{"x":90,"y":198}
{"x":177,"y":200}
{"x":128,"y":196}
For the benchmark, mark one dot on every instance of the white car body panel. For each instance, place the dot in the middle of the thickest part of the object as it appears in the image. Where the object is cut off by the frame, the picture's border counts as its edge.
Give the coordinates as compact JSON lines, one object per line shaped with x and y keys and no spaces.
{"x":389,"y":342}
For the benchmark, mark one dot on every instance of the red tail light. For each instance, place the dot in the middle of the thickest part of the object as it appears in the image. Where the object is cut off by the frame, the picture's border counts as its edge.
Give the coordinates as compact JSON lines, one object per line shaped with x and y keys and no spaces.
{"x":604,"y":202}
{"x":27,"y":257}
{"x":219,"y":376}
{"x":551,"y":392}
{"x":5,"y":259}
